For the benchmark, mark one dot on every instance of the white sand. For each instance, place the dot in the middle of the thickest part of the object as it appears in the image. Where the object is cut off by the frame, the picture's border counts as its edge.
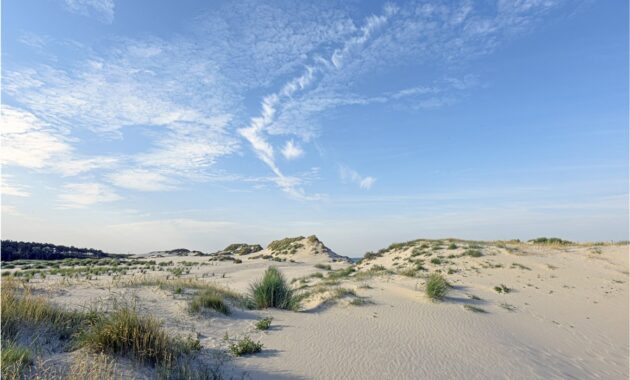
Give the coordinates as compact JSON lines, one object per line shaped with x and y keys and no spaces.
{"x":570,"y":317}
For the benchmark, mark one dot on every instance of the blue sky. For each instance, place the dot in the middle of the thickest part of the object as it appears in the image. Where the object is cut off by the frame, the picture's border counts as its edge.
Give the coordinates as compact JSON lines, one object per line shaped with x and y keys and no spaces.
{"x":143,"y":125}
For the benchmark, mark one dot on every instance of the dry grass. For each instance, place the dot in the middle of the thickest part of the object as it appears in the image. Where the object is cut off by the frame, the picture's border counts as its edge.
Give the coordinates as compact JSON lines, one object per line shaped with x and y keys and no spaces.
{"x":125,"y":332}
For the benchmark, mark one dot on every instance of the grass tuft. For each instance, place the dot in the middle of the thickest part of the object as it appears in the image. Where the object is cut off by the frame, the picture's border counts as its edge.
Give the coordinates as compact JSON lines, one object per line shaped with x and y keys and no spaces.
{"x":15,"y":360}
{"x":208,"y":299}
{"x":436,"y":286}
{"x":272,"y":291}
{"x":127,"y":333}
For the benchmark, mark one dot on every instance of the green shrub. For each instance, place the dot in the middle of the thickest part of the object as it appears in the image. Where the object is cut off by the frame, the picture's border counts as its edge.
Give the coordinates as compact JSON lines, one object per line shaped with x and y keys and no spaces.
{"x":209,"y":299}
{"x":436,"y":286}
{"x":272,"y":291}
{"x":245,"y":346}
{"x":264,"y":323}
{"x":436,"y":261}
{"x":452,"y":246}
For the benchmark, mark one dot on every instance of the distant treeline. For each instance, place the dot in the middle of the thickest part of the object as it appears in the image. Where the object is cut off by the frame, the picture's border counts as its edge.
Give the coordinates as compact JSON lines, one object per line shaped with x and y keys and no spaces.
{"x":21,"y":250}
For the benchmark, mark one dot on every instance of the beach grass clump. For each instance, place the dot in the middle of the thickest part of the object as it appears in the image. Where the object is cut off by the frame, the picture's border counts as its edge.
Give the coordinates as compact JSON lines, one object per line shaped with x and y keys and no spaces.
{"x":436,"y":286}
{"x":15,"y":360}
{"x":127,"y":333}
{"x":436,"y":261}
{"x":245,"y":346}
{"x":209,"y":299}
{"x":264,"y":323}
{"x":21,"y":312}
{"x":272,"y":291}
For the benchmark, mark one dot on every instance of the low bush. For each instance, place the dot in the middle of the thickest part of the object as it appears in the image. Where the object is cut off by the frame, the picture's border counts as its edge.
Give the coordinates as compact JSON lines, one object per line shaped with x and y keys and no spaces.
{"x":264,"y":323}
{"x":245,"y":346}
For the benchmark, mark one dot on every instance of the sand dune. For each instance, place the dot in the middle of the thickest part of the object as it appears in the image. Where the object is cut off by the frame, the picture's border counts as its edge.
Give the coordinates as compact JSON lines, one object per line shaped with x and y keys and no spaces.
{"x":514,"y":310}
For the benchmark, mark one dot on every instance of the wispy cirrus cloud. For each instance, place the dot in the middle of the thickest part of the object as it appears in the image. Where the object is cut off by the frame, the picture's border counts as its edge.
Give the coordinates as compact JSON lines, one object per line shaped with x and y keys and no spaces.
{"x":190,"y":89}
{"x":79,"y":195}
{"x":101,"y":9}
{"x":8,"y":188}
{"x":350,"y":175}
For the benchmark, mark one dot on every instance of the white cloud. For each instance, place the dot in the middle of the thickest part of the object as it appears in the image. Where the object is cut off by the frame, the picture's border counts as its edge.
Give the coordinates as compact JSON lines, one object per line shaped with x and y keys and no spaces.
{"x":367,"y":182}
{"x":189,"y":89}
{"x":11,"y":189}
{"x":78,"y":195}
{"x":101,"y":9}
{"x":142,"y":180}
{"x":348,"y":174}
{"x":27,"y":141}
{"x":291,"y":150}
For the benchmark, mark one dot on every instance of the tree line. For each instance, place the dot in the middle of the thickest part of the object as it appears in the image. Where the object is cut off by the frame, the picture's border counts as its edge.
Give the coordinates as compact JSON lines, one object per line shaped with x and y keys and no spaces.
{"x":21,"y":250}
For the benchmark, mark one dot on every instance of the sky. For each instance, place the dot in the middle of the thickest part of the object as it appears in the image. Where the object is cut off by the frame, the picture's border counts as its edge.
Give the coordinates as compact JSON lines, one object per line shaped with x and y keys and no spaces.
{"x":133,"y":126}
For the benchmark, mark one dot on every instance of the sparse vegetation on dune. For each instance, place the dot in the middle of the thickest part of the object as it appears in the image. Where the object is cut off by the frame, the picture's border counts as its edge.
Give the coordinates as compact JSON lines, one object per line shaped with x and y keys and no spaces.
{"x":323,"y":266}
{"x":285,"y":244}
{"x":550,"y":240}
{"x":122,"y":331}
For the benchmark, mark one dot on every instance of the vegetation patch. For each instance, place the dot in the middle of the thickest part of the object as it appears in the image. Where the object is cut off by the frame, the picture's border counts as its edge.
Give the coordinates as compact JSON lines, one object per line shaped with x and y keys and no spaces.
{"x":272,"y":291}
{"x":208,"y":299}
{"x":473,"y":253}
{"x":436,"y":286}
{"x":264,"y":323}
{"x":550,"y":240}
{"x":15,"y":360}
{"x":125,"y":332}
{"x":245,"y":346}
{"x":502,"y":289}
{"x":284,"y":244}
{"x":323,"y":266}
